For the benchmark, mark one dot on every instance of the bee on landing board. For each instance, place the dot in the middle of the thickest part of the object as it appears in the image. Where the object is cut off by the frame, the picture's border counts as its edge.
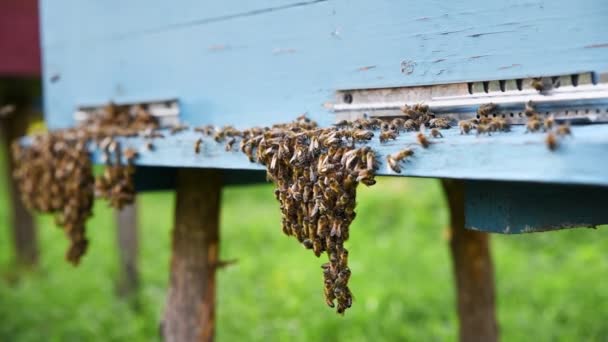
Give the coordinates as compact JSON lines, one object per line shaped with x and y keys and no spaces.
{"x":551,"y":141}
{"x":465,"y":126}
{"x":197,"y":145}
{"x":422,"y":140}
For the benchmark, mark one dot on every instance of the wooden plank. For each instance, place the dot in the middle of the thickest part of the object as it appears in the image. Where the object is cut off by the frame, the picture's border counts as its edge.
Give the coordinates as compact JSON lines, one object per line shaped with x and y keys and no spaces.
{"x":128,"y":249}
{"x":190,"y":309}
{"x":511,"y":208}
{"x":22,"y":93}
{"x":513,"y":156}
{"x":473,"y":271}
{"x":244,"y":62}
{"x":23,"y":227}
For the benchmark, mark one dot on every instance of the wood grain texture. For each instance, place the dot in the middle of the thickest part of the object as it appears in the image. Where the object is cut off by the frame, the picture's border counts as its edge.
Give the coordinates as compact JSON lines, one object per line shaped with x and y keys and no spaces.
{"x":250,"y":63}
{"x":190,"y":309}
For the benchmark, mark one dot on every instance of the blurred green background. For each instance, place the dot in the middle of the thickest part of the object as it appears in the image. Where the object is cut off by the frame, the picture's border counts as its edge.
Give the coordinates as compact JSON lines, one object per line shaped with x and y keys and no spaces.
{"x":549,"y":285}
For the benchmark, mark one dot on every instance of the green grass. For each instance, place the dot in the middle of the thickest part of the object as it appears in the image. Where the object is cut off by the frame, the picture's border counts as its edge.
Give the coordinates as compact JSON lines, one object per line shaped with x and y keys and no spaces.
{"x":549,"y":285}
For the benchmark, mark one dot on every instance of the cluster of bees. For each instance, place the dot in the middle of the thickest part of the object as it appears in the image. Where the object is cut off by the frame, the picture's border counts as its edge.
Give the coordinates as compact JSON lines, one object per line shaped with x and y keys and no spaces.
{"x":55,"y":175}
{"x":488,"y":122}
{"x":316,"y":172}
{"x":535,"y":123}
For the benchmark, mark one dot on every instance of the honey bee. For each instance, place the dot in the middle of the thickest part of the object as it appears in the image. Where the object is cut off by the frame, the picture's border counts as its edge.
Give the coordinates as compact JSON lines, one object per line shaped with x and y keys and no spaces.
{"x":387,"y":135}
{"x":408,"y":152}
{"x":563,"y":130}
{"x":362,"y":135}
{"x":410,"y":125}
{"x":130,"y":154}
{"x":307,"y":243}
{"x":551,"y":141}
{"x":548,"y":123}
{"x":537,"y":83}
{"x":530,"y":109}
{"x":442,"y":123}
{"x":197,"y":145}
{"x":422,"y":140}
{"x":465,"y":126}
{"x":435,"y":133}
{"x":533,"y":125}
{"x":398,"y":123}
{"x":481,"y":129}
{"x":393,"y":164}
{"x":178,"y":128}
{"x":501,"y":124}
{"x":384,"y":126}
{"x":230,"y":144}
{"x":486,"y":109}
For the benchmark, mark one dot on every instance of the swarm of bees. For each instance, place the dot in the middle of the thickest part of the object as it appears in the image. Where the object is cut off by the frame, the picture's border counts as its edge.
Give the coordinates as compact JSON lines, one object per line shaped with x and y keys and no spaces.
{"x":316,"y":172}
{"x":55,"y":175}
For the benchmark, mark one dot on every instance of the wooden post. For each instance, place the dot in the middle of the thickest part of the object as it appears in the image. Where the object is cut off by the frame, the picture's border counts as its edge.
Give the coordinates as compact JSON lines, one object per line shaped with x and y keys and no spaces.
{"x":128,"y":248}
{"x":473,"y":271}
{"x":25,"y":240}
{"x":190,"y":309}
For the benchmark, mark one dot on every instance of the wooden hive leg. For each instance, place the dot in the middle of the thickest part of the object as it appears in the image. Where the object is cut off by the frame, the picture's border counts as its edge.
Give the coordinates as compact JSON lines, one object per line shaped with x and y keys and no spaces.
{"x":25,"y":238}
{"x":190,"y":308}
{"x":473,"y":272}
{"x":128,"y":248}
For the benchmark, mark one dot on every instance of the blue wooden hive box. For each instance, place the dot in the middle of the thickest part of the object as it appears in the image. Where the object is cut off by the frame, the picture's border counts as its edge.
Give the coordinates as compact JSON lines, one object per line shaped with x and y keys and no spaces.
{"x":247,"y":63}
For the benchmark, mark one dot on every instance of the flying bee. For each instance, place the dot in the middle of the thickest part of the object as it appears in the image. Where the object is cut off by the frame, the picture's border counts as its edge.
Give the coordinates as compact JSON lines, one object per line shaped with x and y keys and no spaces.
{"x":551,"y":141}
{"x":548,"y":123}
{"x":387,"y":135}
{"x":329,"y":293}
{"x":230,"y":144}
{"x":486,"y":109}
{"x":533,"y":125}
{"x":465,"y":126}
{"x":422,"y":140}
{"x":197,"y":145}
{"x":435,"y":133}
{"x":342,"y":123}
{"x":343,"y":258}
{"x":563,"y":130}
